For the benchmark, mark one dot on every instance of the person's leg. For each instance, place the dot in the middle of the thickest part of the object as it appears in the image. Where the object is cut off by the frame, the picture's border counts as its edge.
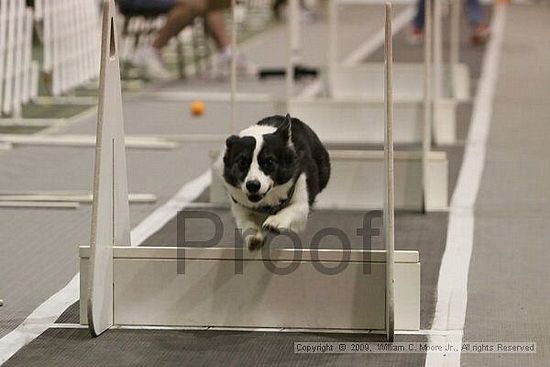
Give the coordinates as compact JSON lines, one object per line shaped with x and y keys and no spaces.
{"x":215,"y":25}
{"x":415,"y":33}
{"x":419,"y":17}
{"x":480,"y":31}
{"x":473,"y":11}
{"x":216,"y":28}
{"x":181,"y":15}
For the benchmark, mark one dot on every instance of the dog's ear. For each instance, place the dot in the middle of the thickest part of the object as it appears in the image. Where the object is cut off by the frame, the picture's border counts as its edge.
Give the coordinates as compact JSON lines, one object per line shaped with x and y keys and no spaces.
{"x":285,"y":130}
{"x":230,"y":141}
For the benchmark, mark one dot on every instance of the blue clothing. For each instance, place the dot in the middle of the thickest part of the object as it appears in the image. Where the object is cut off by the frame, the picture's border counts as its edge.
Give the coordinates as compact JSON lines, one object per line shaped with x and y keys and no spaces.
{"x":473,"y":12}
{"x":145,"y":6}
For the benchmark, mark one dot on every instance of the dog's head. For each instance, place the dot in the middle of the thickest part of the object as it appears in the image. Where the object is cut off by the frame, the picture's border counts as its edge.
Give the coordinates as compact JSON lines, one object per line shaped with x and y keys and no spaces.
{"x":260,"y":158}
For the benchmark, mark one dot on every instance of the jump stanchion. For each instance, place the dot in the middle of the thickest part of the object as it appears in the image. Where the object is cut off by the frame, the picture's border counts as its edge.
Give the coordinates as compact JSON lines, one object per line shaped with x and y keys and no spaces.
{"x":428,"y":84}
{"x":388,"y":194}
{"x":138,"y":286}
{"x":110,"y":210}
{"x":437,"y":63}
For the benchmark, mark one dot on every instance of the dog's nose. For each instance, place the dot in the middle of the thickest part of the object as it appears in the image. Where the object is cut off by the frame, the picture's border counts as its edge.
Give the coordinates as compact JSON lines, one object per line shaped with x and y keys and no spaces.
{"x":253,"y":186}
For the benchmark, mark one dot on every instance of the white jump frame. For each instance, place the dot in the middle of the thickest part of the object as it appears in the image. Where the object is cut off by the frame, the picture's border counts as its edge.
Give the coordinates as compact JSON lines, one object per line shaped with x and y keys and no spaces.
{"x":124,"y":285}
{"x":362,"y":116}
{"x":458,"y":87}
{"x":451,"y":81}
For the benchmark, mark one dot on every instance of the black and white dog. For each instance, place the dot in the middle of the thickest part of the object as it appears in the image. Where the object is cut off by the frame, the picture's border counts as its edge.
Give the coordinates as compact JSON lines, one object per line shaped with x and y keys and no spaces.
{"x":272,"y":172}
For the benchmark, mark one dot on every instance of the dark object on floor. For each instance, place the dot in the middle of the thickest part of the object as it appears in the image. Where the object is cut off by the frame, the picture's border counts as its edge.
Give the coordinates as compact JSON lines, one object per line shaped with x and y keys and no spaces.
{"x":300,"y":71}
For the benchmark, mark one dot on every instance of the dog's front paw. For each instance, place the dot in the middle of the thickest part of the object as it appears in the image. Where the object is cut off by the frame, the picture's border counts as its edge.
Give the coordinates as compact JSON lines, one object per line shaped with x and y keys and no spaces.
{"x":276,"y":224}
{"x":255,"y":242}
{"x":285,"y":223}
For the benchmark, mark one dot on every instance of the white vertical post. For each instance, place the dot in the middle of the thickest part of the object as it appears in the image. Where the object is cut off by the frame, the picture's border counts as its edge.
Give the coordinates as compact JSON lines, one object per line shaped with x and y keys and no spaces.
{"x":80,"y":42}
{"x":454,"y":48}
{"x":293,"y":46}
{"x":3,"y":47}
{"x":34,"y":80}
{"x":47,"y":43}
{"x":110,"y":210}
{"x":55,"y":11}
{"x":438,"y":59}
{"x":71,"y":46}
{"x":88,"y":43}
{"x":19,"y":53}
{"x":38,"y":10}
{"x":10,"y":58}
{"x":27,"y":57}
{"x":58,"y":14}
{"x":80,"y":33}
{"x":92,"y":40}
{"x":332,"y":42}
{"x":233,"y":111}
{"x":67,"y":46}
{"x":428,"y":83}
{"x":388,"y":172}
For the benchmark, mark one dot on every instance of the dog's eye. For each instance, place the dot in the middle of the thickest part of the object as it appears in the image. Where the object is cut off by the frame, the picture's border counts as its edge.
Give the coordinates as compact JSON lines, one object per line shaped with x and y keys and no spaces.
{"x":269,"y":164}
{"x":242,"y":162}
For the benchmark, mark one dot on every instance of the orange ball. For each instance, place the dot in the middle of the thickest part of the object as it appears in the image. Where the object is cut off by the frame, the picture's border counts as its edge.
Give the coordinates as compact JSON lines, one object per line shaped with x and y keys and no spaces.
{"x":197,"y":108}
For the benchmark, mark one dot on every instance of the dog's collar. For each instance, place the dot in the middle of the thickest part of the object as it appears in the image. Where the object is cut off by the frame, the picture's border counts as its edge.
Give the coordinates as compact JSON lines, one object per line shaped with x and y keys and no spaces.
{"x":269,"y":209}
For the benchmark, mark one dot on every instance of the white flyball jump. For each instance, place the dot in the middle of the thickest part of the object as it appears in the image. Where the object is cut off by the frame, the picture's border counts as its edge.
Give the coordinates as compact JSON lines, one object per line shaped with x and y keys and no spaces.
{"x":110,"y":209}
{"x":389,"y":179}
{"x":123,"y":285}
{"x":356,"y":94}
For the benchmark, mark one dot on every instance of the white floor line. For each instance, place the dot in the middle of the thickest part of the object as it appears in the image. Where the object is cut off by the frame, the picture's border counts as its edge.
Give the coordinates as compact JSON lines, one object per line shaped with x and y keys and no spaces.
{"x":452,"y":288}
{"x":52,"y":308}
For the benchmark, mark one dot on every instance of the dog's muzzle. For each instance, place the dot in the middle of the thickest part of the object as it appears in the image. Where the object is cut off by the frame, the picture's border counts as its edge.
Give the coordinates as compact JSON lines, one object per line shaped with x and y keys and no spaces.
{"x":255,"y":197}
